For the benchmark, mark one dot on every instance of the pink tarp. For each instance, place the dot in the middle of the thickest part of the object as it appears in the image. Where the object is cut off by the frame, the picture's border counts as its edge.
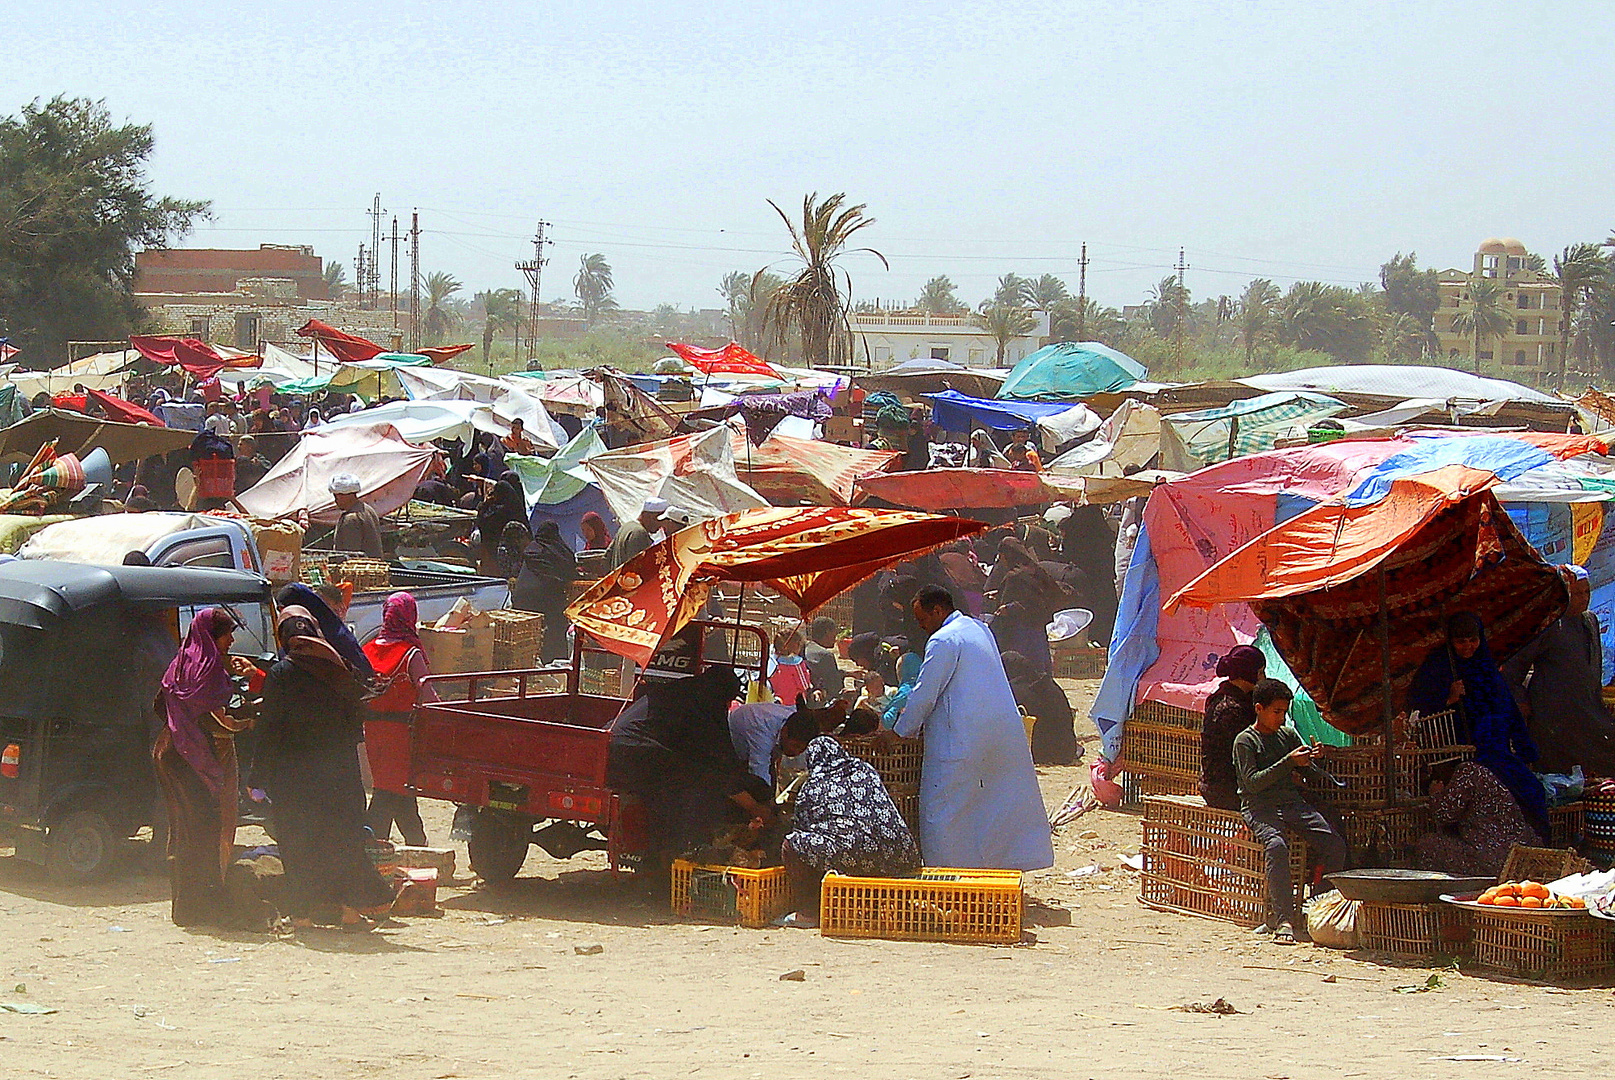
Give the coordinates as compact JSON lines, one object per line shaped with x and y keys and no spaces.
{"x":388,"y":469}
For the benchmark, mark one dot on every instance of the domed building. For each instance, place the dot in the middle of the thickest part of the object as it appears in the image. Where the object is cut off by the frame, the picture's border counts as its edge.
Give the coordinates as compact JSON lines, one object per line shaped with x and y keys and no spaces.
{"x":1529,"y":351}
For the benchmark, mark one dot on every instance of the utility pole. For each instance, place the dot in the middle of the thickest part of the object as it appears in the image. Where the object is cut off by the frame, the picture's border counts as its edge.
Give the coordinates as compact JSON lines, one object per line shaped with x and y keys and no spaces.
{"x":1082,"y":294}
{"x":394,"y":289}
{"x":1182,"y":314}
{"x":371,"y":286}
{"x":359,"y":275}
{"x":533,"y":270}
{"x":414,"y":279}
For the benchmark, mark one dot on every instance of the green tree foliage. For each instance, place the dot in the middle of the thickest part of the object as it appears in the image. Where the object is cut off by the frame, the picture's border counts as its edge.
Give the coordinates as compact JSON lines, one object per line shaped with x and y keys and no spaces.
{"x":1482,"y":314}
{"x":940,"y":297}
{"x":440,"y":314}
{"x":1582,"y":271}
{"x":1041,"y":294}
{"x":1005,"y":323}
{"x":1011,"y":290}
{"x":1169,"y":308}
{"x":813,"y":301}
{"x":746,"y":298}
{"x":1088,"y":322}
{"x":336,"y":279}
{"x":502,"y":312}
{"x":1402,"y":338}
{"x":593,"y":286}
{"x":1257,"y":315}
{"x":1329,"y":319}
{"x":74,"y":208}
{"x":1412,"y":292}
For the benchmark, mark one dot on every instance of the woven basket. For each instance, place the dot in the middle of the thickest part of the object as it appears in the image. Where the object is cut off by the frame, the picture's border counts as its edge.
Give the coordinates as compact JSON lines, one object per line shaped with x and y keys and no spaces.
{"x":899,"y":768}
{"x":367,"y":575}
{"x":1199,"y":860}
{"x":1414,"y":931}
{"x":1160,"y":751}
{"x":1385,"y":836}
{"x":1541,"y":864}
{"x":1568,"y":824}
{"x":1544,"y":948}
{"x":518,"y":636}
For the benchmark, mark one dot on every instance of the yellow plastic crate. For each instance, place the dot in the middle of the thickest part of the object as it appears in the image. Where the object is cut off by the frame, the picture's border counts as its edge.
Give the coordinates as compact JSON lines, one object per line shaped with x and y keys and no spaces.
{"x":936,"y":904}
{"x":731,"y":894}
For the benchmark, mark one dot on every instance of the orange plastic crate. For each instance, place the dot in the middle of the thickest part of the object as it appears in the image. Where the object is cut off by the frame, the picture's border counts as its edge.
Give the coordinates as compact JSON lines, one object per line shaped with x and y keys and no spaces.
{"x":731,"y":894}
{"x":936,"y":904}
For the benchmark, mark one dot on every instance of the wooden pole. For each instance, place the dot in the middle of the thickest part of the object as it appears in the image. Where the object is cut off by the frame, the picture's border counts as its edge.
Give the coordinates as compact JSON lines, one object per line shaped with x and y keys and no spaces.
{"x":1387,"y":709}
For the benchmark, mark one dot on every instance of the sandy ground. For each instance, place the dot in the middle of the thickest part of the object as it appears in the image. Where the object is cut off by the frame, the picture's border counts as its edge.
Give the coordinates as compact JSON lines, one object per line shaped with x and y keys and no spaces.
{"x":495,"y":988}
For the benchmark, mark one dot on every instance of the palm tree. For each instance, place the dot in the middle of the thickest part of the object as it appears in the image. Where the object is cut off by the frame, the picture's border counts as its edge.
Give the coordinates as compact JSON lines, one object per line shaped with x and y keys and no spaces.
{"x":1581,"y":271}
{"x":501,"y":310}
{"x":939,"y":297}
{"x":812,"y":301}
{"x":336,"y":280}
{"x":1168,"y":307}
{"x":1402,"y":338}
{"x":735,"y":288}
{"x":441,"y":314}
{"x":1005,"y":323}
{"x":1256,"y":307}
{"x":1326,"y":318}
{"x":1483,"y":314}
{"x":1041,"y":294}
{"x":1011,"y":290}
{"x":593,"y":286}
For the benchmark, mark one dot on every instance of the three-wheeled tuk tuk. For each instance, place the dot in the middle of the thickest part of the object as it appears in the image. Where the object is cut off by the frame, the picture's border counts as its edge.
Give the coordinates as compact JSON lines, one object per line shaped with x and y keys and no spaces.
{"x":82,"y":653}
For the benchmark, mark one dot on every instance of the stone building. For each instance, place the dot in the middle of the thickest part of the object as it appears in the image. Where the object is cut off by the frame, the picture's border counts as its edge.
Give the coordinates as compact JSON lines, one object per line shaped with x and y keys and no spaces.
{"x":1529,"y":352}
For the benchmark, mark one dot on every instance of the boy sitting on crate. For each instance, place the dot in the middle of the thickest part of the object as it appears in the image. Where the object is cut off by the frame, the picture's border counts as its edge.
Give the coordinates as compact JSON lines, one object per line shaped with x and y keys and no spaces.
{"x":1266,"y":755}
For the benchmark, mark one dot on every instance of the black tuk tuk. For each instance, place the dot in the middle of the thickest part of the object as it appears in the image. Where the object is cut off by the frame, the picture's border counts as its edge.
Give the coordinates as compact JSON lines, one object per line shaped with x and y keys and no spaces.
{"x":82,"y":653}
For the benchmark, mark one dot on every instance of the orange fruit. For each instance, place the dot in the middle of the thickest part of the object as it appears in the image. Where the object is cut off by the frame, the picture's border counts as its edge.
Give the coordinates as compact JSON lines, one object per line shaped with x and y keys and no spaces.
{"x":1577,"y":902}
{"x":1507,"y":901}
{"x":1508,"y":888}
{"x":1534,"y":889}
{"x":1531,"y":901}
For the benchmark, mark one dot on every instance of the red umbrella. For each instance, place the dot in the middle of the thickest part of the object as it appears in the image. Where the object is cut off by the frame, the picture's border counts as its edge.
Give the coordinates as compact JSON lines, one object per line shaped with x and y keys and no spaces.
{"x":807,"y":554}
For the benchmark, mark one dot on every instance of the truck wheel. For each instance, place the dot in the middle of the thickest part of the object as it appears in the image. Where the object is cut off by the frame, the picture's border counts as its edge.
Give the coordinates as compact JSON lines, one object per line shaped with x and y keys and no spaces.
{"x":82,"y":848}
{"x":498,"y":845}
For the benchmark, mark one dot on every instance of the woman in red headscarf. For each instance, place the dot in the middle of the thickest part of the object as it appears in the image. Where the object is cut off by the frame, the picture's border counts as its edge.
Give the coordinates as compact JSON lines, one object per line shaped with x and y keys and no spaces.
{"x":400,"y":662}
{"x":195,"y":761}
{"x":596,"y":537}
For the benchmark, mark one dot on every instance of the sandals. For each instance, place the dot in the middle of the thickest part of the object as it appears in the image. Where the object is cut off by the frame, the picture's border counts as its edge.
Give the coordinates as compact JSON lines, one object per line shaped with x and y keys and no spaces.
{"x":1284,"y":934}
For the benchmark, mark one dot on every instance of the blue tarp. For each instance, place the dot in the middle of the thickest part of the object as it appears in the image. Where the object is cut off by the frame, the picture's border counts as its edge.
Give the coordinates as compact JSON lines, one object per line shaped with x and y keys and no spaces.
{"x":1506,"y":458}
{"x":953,"y":411}
{"x":1070,"y":370}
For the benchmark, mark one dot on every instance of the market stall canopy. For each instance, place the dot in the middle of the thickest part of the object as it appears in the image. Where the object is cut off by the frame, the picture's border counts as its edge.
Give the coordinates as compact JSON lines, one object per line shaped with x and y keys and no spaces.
{"x":1191,"y":440}
{"x":388,"y":468}
{"x":344,"y":346}
{"x":573,"y":394}
{"x":198,"y":359}
{"x":808,"y":555}
{"x":124,"y":412}
{"x":1130,"y":436}
{"x":695,"y":473}
{"x":418,"y":421}
{"x":1398,"y":381}
{"x":1069,"y":370}
{"x":808,"y":472}
{"x":1435,"y":544}
{"x":439,"y":354}
{"x":912,"y":379}
{"x":547,"y":481}
{"x":959,"y":489}
{"x":953,"y":411}
{"x":75,"y":433}
{"x":107,"y":538}
{"x":732,"y":359}
{"x":101,"y":371}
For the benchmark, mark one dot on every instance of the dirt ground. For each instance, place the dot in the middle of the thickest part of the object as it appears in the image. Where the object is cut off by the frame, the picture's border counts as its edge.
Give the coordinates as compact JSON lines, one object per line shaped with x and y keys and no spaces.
{"x":497,"y":988}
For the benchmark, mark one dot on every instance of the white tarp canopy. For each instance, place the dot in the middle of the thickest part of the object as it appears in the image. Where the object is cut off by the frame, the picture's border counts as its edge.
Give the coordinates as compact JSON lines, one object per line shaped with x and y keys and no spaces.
{"x":106,"y":539}
{"x":1399,"y":381}
{"x":102,"y":371}
{"x":423,"y":421}
{"x":1129,"y":436}
{"x":695,"y":473}
{"x":504,"y":401}
{"x":388,"y":468}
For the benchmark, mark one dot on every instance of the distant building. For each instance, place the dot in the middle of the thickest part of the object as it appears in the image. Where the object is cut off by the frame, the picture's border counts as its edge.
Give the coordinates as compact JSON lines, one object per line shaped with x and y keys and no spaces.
{"x":189,"y":271}
{"x":889,"y":338}
{"x":1529,"y":352}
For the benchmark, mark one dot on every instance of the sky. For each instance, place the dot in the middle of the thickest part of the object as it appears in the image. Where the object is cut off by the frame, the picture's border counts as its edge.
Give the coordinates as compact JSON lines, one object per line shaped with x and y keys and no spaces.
{"x":1290,"y":140}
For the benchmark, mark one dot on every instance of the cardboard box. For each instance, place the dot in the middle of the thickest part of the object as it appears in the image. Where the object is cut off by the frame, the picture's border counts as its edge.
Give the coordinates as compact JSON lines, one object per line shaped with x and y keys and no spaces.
{"x":427,"y":858}
{"x":281,"y":545}
{"x":470,"y":648}
{"x":841,"y":429}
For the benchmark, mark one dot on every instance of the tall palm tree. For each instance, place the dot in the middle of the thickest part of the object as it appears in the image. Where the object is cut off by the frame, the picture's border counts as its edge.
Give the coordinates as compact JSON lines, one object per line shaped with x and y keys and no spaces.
{"x":1168,"y":307}
{"x":939,"y":297}
{"x":1581,"y":271}
{"x":501,"y":310}
{"x":1256,"y":308}
{"x":1041,"y":294}
{"x":1326,"y":318}
{"x":441,"y":313}
{"x":336,"y":279}
{"x":1402,"y":338}
{"x":735,"y":288}
{"x":812,"y":301}
{"x":1011,"y":290}
{"x":1097,"y":323}
{"x":1483,"y":314}
{"x":593,"y":286}
{"x":1005,"y":323}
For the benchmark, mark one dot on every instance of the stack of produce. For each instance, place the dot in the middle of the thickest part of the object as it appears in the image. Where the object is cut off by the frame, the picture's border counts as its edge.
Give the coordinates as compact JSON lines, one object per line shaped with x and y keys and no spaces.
{"x":1527,"y":894}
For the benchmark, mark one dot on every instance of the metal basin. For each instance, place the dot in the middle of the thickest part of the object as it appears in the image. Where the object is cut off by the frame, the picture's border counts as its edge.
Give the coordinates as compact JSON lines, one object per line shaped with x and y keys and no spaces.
{"x":1404,"y":886}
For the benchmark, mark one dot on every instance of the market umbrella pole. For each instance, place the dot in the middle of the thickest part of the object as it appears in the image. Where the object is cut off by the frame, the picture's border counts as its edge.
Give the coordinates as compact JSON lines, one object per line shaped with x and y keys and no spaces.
{"x":1386,"y":710}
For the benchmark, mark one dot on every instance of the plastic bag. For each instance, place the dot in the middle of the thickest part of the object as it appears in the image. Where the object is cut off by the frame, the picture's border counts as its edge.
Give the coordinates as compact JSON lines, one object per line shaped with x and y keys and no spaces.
{"x":1562,"y":789}
{"x":1332,"y":920}
{"x":1106,"y":790}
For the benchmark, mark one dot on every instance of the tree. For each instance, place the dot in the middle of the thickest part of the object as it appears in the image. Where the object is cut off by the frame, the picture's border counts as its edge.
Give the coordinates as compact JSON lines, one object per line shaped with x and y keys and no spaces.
{"x":1327,"y":318}
{"x":1402,"y":338}
{"x":593,"y":287}
{"x":1011,"y":291}
{"x":1169,"y":307}
{"x":501,"y":310}
{"x":75,"y":206}
{"x":441,"y":313}
{"x":1482,"y":314}
{"x":1005,"y":323}
{"x":1041,"y":294}
{"x":336,"y":279}
{"x":1582,"y":273}
{"x":812,"y":300}
{"x":746,"y":297}
{"x":1257,"y":305}
{"x":939,"y":297}
{"x":735,"y":288}
{"x":1412,"y":292}
{"x":1102,"y":324}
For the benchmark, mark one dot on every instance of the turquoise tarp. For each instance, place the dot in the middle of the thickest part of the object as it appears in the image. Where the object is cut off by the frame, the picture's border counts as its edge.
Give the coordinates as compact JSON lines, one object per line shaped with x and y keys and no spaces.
{"x":1070,"y":370}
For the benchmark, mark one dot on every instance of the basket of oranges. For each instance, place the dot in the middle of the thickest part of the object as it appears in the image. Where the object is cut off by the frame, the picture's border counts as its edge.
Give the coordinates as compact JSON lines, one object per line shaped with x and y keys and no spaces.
{"x":1528,"y":895}
{"x":1522,"y":929}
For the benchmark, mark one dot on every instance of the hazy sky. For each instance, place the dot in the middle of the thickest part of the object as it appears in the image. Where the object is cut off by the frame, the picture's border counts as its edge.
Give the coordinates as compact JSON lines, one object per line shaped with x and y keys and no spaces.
{"x":1288,"y":140}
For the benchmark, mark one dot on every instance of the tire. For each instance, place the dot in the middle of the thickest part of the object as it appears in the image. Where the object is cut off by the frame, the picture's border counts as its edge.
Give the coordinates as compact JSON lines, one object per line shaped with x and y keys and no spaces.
{"x":81,"y":848}
{"x":498,"y":845}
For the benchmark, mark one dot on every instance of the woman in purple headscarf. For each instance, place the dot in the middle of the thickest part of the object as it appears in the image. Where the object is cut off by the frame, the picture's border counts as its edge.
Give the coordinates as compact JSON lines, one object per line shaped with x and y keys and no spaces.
{"x":195,"y":760}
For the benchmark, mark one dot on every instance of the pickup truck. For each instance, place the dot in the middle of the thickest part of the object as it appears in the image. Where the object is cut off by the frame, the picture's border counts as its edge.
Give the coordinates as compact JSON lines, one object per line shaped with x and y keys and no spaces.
{"x":528,"y":749}
{"x":203,"y":540}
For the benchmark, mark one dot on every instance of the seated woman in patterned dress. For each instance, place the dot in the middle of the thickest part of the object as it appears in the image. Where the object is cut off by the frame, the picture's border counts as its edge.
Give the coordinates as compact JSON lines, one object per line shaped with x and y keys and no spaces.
{"x":1477,"y":821}
{"x":844,"y":819}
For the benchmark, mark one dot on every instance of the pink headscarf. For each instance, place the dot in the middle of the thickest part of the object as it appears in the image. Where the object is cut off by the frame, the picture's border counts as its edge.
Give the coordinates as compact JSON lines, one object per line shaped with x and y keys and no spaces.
{"x":399,"y":618}
{"x":195,"y":684}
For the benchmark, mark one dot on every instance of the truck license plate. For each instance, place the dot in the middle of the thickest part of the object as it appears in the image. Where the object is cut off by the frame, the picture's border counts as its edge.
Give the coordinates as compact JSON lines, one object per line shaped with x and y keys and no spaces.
{"x":503,"y":796}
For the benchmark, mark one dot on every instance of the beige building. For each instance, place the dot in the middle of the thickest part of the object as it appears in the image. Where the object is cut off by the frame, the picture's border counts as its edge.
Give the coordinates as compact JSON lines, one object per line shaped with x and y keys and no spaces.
{"x":889,"y":338}
{"x":1529,"y":352}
